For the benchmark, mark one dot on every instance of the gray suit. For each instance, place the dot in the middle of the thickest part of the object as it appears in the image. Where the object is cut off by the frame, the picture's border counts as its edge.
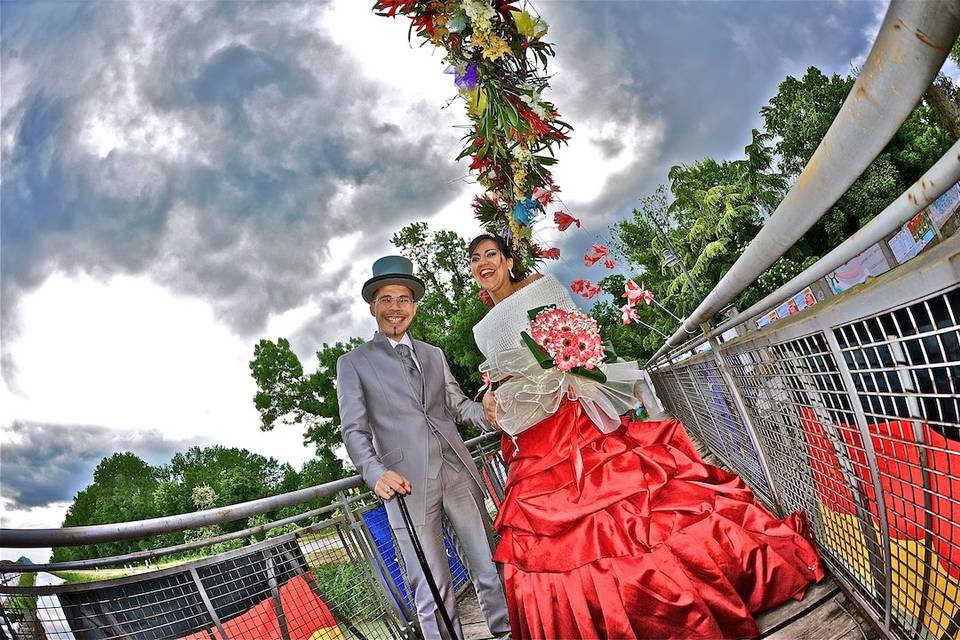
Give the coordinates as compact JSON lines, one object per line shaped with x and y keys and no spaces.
{"x":385,"y":426}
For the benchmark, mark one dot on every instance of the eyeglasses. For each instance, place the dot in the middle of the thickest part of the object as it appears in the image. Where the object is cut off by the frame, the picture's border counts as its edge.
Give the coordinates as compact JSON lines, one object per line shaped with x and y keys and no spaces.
{"x":401,"y":301}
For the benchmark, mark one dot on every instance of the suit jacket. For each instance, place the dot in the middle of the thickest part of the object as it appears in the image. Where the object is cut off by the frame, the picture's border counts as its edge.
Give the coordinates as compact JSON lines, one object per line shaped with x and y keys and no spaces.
{"x":383,"y":424}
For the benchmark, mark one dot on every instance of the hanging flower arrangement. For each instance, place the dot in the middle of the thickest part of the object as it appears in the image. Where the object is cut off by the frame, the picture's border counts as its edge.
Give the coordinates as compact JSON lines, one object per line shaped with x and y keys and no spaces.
{"x":498,"y":58}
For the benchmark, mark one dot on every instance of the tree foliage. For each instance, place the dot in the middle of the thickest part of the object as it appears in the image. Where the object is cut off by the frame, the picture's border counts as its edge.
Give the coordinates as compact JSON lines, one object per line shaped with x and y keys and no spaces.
{"x":711,"y":210}
{"x":289,"y":396}
{"x":126,"y":488}
{"x":799,"y":116}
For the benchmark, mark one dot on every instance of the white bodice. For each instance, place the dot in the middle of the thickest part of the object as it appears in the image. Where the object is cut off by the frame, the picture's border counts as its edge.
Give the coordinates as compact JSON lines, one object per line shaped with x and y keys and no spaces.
{"x":500,"y":329}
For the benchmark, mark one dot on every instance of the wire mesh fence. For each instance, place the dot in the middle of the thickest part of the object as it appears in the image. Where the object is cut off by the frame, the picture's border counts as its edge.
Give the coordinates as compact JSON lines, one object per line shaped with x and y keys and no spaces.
{"x":858,"y":419}
{"x":724,"y":428}
{"x":336,"y":578}
{"x":905,"y":370}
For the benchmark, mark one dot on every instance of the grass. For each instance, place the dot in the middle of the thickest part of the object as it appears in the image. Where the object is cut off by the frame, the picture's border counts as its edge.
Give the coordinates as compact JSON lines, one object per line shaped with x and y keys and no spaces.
{"x":93,"y":575}
{"x":20,"y":603}
{"x":77,"y":577}
{"x":343,"y":586}
{"x":323,"y":534}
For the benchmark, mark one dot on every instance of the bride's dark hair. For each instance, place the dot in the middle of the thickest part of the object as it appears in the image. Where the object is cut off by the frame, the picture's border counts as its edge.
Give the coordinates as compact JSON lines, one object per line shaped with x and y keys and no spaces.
{"x":502,"y":245}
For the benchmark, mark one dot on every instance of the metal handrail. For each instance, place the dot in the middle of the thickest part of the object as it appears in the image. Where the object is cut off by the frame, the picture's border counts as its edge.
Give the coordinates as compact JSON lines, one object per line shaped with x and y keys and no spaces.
{"x":99,"y":533}
{"x":910,"y":49}
{"x":150,"y":554}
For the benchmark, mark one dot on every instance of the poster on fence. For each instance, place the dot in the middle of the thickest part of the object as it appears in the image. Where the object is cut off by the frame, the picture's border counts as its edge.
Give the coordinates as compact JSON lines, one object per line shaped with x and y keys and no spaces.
{"x":944,"y":206}
{"x":871,"y":262}
{"x":912,"y":238}
{"x":794,"y":304}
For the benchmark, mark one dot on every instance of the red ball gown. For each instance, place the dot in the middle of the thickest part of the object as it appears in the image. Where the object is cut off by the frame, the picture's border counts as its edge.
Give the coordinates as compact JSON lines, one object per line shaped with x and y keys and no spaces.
{"x":617,"y":529}
{"x":631,"y":535}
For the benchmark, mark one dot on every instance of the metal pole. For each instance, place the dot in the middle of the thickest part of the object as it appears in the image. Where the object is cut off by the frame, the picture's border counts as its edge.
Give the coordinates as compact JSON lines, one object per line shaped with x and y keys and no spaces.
{"x":683,"y":394}
{"x":711,"y":421}
{"x":683,"y":267}
{"x":138,"y":556}
{"x":934,"y":183}
{"x":275,"y":593}
{"x":3,"y":614}
{"x":376,"y":565}
{"x":840,"y":450}
{"x":92,"y":534}
{"x":209,"y":605}
{"x":916,"y":422}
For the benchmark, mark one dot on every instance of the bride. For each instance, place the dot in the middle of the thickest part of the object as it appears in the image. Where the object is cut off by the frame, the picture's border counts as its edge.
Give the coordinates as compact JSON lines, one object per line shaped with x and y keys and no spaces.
{"x":611,"y":528}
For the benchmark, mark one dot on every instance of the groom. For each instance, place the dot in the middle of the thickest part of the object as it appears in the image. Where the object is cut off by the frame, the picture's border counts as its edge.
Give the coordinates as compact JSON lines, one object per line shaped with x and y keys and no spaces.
{"x":399,"y":405}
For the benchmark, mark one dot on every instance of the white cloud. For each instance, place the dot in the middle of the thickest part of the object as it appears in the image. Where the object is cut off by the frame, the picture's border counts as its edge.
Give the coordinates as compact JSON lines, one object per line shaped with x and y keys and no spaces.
{"x":127,"y":354}
{"x":46,"y":517}
{"x":410,"y":74}
{"x":870,"y":32}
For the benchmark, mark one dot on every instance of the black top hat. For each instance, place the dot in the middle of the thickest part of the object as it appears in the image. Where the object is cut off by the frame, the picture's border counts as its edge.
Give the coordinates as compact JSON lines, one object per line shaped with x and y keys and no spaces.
{"x":393,"y":270}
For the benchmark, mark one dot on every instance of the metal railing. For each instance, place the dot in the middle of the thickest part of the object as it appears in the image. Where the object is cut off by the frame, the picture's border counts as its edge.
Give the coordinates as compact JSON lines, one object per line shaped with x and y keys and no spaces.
{"x":849,"y":411}
{"x":328,"y":573}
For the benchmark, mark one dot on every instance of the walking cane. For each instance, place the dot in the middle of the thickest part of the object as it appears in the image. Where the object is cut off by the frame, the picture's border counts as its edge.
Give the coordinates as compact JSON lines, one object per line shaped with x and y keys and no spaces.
{"x":418,"y":549}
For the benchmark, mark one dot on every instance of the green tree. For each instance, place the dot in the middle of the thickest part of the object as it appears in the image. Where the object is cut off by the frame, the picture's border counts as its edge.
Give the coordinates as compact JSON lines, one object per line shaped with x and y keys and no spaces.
{"x":288,"y":396}
{"x":798,"y":117}
{"x":122,"y":490}
{"x":126,"y":488}
{"x":943,"y":97}
{"x":203,"y":497}
{"x":232,"y":474}
{"x":713,"y":209}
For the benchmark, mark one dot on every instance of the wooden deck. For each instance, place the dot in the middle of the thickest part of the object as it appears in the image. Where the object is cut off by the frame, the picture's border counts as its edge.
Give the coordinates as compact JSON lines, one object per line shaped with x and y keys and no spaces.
{"x":825,"y":613}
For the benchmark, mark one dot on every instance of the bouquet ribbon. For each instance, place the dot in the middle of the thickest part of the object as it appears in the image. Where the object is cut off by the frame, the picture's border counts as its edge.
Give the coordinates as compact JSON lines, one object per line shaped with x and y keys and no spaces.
{"x":529,"y":393}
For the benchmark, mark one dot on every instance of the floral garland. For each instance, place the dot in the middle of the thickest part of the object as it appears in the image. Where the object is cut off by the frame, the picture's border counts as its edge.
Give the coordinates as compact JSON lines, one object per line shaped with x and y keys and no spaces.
{"x":498,"y":58}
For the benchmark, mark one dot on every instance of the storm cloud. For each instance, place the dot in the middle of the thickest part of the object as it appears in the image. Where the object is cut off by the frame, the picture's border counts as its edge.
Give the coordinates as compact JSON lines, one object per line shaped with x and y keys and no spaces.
{"x":219,"y":147}
{"x":667,"y":83}
{"x":47,"y":463}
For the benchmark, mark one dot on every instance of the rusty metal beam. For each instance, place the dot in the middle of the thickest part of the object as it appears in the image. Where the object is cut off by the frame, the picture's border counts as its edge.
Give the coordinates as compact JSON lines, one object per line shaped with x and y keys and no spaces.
{"x":941,"y":176}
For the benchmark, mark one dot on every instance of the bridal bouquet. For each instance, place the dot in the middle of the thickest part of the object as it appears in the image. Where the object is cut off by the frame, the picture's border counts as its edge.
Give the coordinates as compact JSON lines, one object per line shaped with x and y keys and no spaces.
{"x":570,"y":338}
{"x":562,"y":357}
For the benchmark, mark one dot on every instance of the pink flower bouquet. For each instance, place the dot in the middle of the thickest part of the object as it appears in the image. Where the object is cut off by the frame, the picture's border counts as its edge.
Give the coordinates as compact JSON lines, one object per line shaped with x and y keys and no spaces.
{"x":568,"y":340}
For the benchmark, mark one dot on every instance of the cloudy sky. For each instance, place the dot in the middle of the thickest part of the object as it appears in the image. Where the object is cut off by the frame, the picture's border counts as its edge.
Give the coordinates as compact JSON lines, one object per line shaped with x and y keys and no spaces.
{"x":180,"y":180}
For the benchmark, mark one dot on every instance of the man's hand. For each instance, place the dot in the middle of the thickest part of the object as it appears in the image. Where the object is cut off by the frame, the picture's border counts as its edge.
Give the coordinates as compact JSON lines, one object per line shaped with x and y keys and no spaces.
{"x":390,"y":484}
{"x":490,"y":409}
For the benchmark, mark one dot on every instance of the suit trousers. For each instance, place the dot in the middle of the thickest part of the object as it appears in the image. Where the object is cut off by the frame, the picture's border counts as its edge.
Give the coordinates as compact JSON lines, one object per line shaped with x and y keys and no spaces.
{"x":455,"y":494}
